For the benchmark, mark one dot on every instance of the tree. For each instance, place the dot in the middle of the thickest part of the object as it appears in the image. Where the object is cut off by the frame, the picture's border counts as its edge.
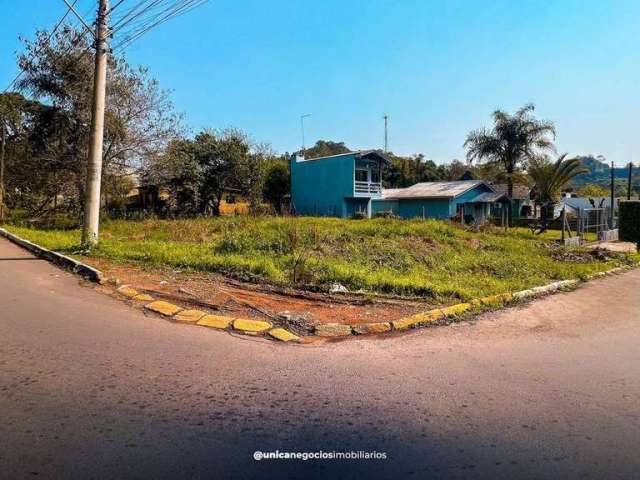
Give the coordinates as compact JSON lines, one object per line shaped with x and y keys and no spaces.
{"x":179,"y":169}
{"x":593,"y":190}
{"x":202,"y":170}
{"x":513,"y":142}
{"x":222,"y":157}
{"x":326,"y":148}
{"x":456,"y":169}
{"x":139,"y":120}
{"x":36,"y":166}
{"x":277,"y":184}
{"x":548,"y":179}
{"x":406,"y":171}
{"x":12,"y":108}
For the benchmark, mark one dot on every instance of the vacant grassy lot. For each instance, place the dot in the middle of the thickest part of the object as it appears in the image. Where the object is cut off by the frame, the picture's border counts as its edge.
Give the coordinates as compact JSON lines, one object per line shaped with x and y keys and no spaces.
{"x":418,"y":257}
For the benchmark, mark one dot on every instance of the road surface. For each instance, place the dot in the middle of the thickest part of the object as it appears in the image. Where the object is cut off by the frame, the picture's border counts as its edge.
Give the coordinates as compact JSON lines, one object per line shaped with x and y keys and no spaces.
{"x":91,"y":388}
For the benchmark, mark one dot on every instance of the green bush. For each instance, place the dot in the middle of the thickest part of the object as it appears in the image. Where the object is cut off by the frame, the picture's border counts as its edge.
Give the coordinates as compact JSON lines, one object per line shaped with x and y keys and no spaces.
{"x":629,"y":221}
{"x":386,"y":214}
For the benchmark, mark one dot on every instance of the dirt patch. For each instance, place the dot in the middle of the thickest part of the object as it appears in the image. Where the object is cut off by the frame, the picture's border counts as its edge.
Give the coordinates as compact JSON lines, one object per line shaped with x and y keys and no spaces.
{"x":597,"y":254}
{"x":297,"y":309}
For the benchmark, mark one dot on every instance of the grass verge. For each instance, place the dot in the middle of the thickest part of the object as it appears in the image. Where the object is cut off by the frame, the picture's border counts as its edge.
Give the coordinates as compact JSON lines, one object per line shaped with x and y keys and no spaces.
{"x":427,"y":258}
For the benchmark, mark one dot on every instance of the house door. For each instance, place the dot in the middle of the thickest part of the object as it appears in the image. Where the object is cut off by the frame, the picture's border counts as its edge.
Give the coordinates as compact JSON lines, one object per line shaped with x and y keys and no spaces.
{"x":478,"y":212}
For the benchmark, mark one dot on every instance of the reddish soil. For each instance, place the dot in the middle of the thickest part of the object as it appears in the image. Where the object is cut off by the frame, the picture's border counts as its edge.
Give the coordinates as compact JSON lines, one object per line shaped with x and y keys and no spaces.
{"x":230,"y":297}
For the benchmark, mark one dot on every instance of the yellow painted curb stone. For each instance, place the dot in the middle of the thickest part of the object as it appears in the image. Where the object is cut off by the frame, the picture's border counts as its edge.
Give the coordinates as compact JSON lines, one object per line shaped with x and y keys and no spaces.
{"x":190,"y":316}
{"x":367,"y":328}
{"x":164,"y":308}
{"x":247,"y":325}
{"x":215,"y":321}
{"x":506,"y":297}
{"x":283,"y":335}
{"x":455,"y":310}
{"x":489,"y":301}
{"x":333,"y":330}
{"x":143,"y":297}
{"x":412,"y":321}
{"x":128,"y":292}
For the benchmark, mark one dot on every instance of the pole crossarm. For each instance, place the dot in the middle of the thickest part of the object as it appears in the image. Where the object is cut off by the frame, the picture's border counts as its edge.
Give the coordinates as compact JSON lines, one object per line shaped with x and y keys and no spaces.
{"x":79,"y":17}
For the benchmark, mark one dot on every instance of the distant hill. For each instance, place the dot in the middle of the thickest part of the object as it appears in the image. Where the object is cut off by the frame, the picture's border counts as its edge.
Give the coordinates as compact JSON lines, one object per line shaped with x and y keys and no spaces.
{"x":600,"y":171}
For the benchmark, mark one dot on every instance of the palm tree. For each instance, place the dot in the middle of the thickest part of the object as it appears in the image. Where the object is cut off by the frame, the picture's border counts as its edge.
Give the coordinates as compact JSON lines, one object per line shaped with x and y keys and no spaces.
{"x":548,"y":179}
{"x":512,"y":142}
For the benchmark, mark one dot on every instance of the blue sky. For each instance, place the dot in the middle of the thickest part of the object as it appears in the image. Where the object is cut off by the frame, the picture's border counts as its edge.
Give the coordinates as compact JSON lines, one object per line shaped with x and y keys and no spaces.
{"x":437,"y":68}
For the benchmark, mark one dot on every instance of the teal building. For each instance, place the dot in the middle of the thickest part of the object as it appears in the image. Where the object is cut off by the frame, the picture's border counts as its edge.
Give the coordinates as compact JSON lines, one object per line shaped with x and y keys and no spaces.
{"x":345,"y":184}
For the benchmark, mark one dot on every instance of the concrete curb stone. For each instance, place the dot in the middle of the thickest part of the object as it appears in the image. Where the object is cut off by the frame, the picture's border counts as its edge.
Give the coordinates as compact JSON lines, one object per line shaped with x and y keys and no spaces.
{"x":68,"y":263}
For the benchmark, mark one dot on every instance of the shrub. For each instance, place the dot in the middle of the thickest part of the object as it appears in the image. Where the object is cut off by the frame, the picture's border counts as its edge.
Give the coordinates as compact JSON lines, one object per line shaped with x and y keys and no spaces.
{"x":629,"y":212}
{"x":386,"y":214}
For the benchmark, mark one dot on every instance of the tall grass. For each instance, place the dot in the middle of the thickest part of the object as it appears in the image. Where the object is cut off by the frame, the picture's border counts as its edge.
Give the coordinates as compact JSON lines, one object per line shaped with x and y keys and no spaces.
{"x":408,"y":257}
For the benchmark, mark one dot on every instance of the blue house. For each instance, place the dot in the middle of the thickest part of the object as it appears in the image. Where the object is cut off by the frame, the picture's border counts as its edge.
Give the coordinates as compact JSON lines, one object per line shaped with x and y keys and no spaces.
{"x":337,"y":186}
{"x":341,"y":185}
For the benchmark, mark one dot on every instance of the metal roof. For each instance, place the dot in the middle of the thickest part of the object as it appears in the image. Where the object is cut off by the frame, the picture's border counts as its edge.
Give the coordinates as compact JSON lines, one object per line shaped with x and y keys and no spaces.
{"x":390,"y":192}
{"x":488,"y":197}
{"x":577,"y":203}
{"x":434,"y":189}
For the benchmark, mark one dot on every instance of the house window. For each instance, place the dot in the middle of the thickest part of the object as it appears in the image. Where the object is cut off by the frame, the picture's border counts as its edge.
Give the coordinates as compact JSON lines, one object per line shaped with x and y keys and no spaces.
{"x":362,"y":175}
{"x":375,"y":176}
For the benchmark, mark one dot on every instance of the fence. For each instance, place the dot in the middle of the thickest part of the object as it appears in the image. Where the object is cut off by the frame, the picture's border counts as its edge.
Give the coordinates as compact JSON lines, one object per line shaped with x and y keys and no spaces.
{"x":585,"y":224}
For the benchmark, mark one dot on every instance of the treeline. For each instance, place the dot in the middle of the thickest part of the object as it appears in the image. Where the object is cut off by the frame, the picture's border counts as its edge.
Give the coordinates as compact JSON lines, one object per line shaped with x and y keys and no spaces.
{"x":46,"y":126}
{"x":404,"y":171}
{"x":146,"y":147}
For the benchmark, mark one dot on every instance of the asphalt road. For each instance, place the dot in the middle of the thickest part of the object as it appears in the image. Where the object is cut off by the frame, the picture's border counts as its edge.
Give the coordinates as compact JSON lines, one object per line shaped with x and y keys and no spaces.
{"x":91,"y":388}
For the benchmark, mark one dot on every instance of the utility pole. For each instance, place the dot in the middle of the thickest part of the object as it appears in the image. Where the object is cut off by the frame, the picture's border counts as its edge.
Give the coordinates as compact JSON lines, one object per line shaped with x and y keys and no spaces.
{"x":2,"y":148}
{"x":612,"y":199}
{"x":386,"y":137}
{"x":302,"y":117}
{"x":629,"y":181}
{"x":91,"y":224}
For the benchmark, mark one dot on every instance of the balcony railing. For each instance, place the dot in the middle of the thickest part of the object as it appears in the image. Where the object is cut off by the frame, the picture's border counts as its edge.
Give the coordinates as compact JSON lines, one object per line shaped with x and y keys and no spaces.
{"x":366,"y":189}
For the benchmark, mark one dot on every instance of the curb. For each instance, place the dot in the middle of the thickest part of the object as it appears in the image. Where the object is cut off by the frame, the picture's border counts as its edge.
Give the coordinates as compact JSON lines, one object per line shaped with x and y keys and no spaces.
{"x":259,"y":327}
{"x":245,"y":326}
{"x":337,"y":330}
{"x":431,"y":317}
{"x":63,"y":261}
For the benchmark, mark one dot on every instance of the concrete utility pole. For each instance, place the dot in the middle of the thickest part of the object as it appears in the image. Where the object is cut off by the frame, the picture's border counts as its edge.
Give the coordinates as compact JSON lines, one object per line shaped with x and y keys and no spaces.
{"x":91,"y":222}
{"x":2,"y":148}
{"x":386,"y":138}
{"x":611,"y":226}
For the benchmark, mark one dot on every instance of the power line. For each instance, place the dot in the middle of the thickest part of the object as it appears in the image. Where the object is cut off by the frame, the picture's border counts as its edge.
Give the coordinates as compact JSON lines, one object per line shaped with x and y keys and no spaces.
{"x":132,"y":13}
{"x":78,"y":16}
{"x":55,"y":29}
{"x":152,"y":19}
{"x":115,"y":6}
{"x":156,"y":12}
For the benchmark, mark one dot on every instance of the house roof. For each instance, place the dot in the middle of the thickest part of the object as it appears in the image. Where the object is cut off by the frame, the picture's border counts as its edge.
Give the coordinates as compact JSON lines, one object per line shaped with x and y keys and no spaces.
{"x":519,"y":191}
{"x":373,"y":155}
{"x":390,"y":192}
{"x":364,"y":154}
{"x":433,"y":189}
{"x":576,"y":203}
{"x":489,"y":197}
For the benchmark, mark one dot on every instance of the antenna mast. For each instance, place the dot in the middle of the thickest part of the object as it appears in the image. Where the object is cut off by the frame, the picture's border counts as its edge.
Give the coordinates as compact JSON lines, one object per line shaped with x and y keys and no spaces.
{"x":386,"y":136}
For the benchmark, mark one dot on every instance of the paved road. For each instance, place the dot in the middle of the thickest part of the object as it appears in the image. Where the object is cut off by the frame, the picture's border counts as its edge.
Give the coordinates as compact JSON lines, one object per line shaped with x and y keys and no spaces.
{"x":90,"y":388}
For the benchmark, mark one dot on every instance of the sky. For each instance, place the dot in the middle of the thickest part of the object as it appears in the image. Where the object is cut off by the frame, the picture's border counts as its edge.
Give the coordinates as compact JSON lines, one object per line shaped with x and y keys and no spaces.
{"x":437,"y":68}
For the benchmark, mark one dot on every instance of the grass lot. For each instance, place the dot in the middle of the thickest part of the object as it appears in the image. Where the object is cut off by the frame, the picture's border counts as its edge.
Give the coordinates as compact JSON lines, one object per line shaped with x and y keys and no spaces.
{"x":408,"y":257}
